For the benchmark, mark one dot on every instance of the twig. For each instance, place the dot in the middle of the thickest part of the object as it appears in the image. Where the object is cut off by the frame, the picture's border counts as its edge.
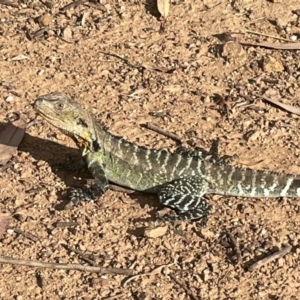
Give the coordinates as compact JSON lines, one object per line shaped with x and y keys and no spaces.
{"x":143,"y":66}
{"x":235,"y":247}
{"x":269,"y":80}
{"x":9,"y":3}
{"x":6,"y":84}
{"x":157,"y":129}
{"x":289,"y":108}
{"x":188,"y":292}
{"x":73,"y":4}
{"x":285,"y":46}
{"x":26,"y":234}
{"x":121,"y":57}
{"x":78,"y":267}
{"x":83,"y":2}
{"x":155,"y":271}
{"x":64,"y":40}
{"x":66,"y":224}
{"x":118,"y":188}
{"x":270,"y":258}
{"x":90,"y":261}
{"x":31,"y":123}
{"x":114,"y":297}
{"x":267,"y":35}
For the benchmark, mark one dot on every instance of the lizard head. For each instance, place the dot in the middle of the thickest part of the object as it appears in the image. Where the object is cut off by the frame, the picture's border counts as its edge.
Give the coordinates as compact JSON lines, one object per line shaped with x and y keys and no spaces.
{"x":71,"y":119}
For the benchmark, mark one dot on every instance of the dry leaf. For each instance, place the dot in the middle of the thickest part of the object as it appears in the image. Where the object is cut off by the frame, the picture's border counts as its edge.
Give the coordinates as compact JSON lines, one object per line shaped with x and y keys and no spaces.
{"x":286,"y":46}
{"x":289,"y":108}
{"x":10,"y":138}
{"x":163,"y":7}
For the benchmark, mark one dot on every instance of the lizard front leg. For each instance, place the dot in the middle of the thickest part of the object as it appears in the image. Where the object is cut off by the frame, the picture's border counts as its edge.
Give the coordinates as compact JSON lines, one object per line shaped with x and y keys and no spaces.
{"x":186,"y":196}
{"x":97,"y":189}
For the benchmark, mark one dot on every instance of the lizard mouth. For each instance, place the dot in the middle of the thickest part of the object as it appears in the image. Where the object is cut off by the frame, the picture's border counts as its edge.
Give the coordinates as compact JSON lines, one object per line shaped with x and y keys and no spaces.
{"x":79,"y":135}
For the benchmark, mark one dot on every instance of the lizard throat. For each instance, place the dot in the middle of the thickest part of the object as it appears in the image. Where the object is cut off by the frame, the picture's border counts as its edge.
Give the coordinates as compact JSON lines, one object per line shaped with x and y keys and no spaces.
{"x":82,"y":143}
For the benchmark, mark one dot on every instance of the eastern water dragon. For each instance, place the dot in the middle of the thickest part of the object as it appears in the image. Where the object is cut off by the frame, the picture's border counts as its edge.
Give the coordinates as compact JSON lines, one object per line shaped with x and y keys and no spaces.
{"x":180,"y":179}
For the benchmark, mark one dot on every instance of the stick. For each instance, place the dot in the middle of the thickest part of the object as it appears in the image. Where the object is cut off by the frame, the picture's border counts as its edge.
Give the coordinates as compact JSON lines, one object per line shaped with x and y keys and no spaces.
{"x":267,"y":35}
{"x":289,"y":108}
{"x":122,"y":58}
{"x":270,"y":258}
{"x":66,"y":224}
{"x":188,"y":292}
{"x":83,"y":2}
{"x":114,"y":297}
{"x":157,"y":129}
{"x":139,"y":66}
{"x":73,"y":4}
{"x":90,"y":261}
{"x":26,"y":234}
{"x":118,"y":188}
{"x":31,"y":123}
{"x":78,"y":267}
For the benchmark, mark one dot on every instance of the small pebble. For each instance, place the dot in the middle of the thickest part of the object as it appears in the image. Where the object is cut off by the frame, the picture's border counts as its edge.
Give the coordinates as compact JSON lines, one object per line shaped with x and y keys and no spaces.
{"x":45,"y":20}
{"x":293,"y":38}
{"x":10,"y":98}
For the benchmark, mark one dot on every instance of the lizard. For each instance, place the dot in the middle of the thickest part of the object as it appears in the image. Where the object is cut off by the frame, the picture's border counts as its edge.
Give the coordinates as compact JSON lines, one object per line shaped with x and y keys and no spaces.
{"x":181,"y":179}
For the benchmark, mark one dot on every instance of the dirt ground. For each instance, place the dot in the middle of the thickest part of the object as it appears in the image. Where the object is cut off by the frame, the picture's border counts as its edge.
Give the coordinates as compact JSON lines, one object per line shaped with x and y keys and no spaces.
{"x":186,"y":81}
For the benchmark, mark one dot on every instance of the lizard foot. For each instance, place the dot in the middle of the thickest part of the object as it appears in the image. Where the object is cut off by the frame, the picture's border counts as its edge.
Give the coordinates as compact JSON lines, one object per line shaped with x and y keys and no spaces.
{"x":188,"y":215}
{"x":76,"y":195}
{"x":86,"y":194}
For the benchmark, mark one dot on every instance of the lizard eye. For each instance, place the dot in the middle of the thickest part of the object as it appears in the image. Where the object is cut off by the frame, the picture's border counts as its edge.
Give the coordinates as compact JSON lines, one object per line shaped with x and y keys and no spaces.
{"x":59,"y":106}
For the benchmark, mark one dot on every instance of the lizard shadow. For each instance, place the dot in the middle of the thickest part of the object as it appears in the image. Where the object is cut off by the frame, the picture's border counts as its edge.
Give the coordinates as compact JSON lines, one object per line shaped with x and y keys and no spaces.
{"x":54,"y":154}
{"x":145,"y":200}
{"x":57,"y":155}
{"x":151,"y":7}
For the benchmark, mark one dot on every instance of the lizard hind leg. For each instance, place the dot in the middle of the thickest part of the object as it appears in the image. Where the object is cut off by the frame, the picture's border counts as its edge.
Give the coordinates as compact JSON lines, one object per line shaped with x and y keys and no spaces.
{"x":186,"y":196}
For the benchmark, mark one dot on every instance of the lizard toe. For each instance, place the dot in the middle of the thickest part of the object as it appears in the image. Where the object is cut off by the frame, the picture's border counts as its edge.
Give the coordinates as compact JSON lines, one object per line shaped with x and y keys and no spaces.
{"x":77,"y":195}
{"x":195,"y":214}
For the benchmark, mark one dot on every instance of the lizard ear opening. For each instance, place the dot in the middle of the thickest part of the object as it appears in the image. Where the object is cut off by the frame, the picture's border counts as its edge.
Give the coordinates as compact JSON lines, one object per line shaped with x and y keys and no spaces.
{"x":96,"y":145}
{"x":82,"y":123}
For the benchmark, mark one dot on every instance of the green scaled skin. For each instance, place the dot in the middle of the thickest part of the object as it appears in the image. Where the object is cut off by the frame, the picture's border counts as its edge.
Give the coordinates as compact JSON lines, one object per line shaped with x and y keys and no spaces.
{"x":180,"y":179}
